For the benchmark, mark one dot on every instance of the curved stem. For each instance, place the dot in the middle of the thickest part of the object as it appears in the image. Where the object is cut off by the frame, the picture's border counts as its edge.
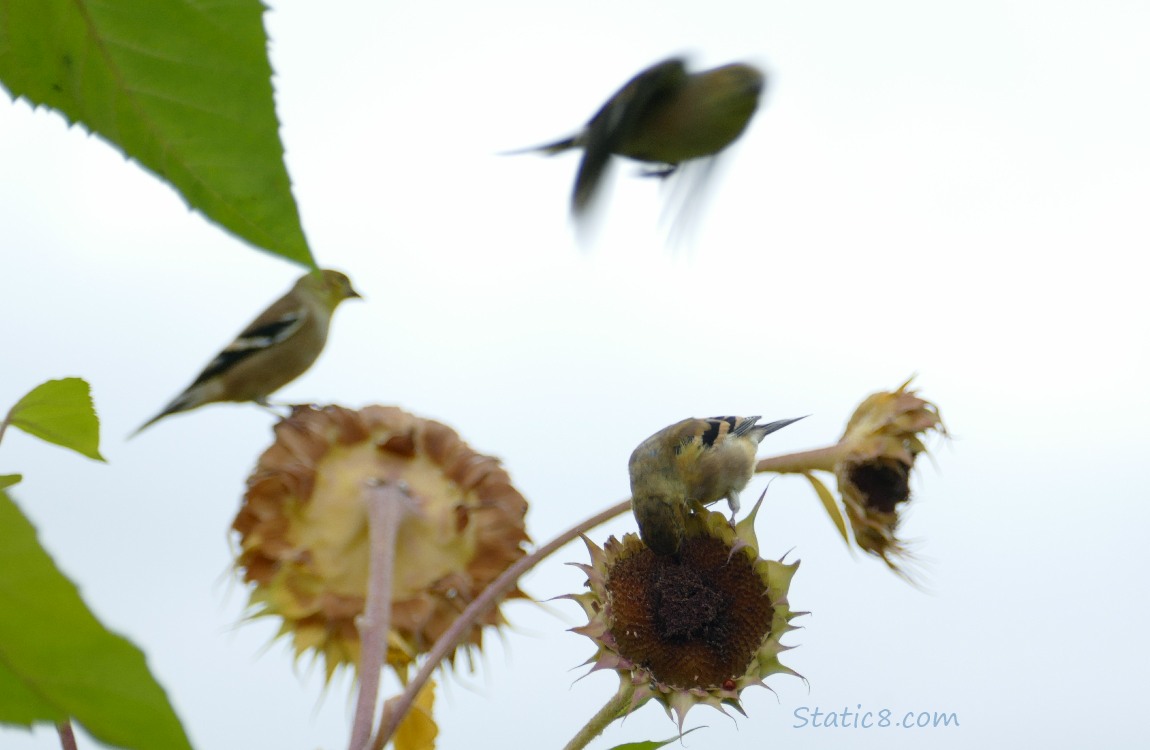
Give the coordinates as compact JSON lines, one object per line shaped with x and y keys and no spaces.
{"x":822,"y":459}
{"x":487,"y":599}
{"x":613,"y":709}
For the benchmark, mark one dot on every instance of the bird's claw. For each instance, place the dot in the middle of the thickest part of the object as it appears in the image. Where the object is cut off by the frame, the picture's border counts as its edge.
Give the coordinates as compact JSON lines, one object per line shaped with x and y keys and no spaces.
{"x":660,"y":172}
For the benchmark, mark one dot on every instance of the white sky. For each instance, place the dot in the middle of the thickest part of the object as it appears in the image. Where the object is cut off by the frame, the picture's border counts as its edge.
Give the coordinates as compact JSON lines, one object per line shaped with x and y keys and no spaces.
{"x":954,"y":189}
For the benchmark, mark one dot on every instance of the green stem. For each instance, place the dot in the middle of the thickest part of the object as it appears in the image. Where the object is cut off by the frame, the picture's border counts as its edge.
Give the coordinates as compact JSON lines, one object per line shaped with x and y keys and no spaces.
{"x":821,"y":459}
{"x":614,"y":708}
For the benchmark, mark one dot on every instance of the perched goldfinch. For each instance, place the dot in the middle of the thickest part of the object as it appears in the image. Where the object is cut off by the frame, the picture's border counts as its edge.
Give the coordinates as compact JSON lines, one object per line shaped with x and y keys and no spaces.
{"x":665,"y":116}
{"x":700,"y":460}
{"x":275,"y":349}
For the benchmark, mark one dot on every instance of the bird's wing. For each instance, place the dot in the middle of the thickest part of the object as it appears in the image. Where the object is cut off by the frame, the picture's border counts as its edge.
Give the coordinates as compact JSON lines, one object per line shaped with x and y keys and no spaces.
{"x":616,"y":119}
{"x":273,"y":327}
{"x":712,"y":431}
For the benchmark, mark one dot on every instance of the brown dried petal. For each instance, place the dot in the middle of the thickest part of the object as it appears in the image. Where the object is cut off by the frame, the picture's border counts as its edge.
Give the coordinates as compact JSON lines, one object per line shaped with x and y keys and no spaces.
{"x":303,"y":528}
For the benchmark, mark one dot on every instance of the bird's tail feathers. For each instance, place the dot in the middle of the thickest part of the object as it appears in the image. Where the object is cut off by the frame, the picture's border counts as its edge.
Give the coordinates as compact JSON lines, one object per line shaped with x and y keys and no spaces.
{"x":549,"y":149}
{"x":760,"y":431}
{"x":186,"y":400}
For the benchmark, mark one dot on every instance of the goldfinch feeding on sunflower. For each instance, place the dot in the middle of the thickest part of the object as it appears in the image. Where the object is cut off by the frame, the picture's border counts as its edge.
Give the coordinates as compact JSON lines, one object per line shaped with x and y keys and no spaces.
{"x":695,"y":460}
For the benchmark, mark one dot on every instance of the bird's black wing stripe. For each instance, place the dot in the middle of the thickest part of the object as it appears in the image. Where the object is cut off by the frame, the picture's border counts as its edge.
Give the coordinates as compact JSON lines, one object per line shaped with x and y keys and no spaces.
{"x":715,"y":428}
{"x":253,"y":340}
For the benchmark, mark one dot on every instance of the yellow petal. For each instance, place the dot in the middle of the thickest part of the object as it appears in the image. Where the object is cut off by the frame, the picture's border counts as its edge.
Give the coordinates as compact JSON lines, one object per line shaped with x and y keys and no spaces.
{"x":418,"y":729}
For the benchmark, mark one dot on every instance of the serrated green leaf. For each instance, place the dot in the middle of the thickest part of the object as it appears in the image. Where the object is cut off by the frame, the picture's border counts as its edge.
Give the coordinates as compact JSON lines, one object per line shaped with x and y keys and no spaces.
{"x":20,"y":704}
{"x":7,"y":480}
{"x":829,"y":505}
{"x":653,"y":744}
{"x":182,"y":88}
{"x":60,"y":412}
{"x":57,"y":660}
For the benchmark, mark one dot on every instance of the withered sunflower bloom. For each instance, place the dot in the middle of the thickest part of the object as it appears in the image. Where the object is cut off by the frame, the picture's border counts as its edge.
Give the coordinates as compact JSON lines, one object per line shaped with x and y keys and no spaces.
{"x":693,"y":630}
{"x":872,"y":462}
{"x":303,"y":529}
{"x":880,"y":445}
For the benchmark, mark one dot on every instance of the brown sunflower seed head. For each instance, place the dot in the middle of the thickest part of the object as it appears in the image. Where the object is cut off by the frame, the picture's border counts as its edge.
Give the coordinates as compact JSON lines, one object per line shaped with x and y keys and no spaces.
{"x":693,"y":629}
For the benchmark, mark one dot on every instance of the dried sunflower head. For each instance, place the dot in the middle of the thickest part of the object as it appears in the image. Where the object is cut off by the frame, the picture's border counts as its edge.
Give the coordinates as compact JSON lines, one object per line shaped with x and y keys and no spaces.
{"x":881,"y":442}
{"x":693,"y":630}
{"x":304,"y":536}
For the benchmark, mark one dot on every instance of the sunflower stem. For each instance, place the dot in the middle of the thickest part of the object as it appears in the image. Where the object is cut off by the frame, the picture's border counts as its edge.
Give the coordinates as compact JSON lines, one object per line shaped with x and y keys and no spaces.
{"x":387,"y":503}
{"x":488,"y":598}
{"x":821,"y":459}
{"x":67,"y":736}
{"x":613,"y":709}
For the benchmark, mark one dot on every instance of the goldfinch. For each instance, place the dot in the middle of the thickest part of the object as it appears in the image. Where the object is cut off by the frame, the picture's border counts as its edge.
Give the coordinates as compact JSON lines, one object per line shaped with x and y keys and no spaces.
{"x":665,"y":116}
{"x":275,"y":349}
{"x":700,"y":460}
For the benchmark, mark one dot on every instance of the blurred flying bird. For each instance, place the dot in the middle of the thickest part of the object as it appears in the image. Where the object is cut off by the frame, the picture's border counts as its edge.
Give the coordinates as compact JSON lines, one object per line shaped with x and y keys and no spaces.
{"x":663,"y":116}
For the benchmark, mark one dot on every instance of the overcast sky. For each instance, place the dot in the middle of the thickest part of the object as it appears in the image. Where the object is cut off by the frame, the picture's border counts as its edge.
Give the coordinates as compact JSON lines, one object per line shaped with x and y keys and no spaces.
{"x":957,"y":190}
